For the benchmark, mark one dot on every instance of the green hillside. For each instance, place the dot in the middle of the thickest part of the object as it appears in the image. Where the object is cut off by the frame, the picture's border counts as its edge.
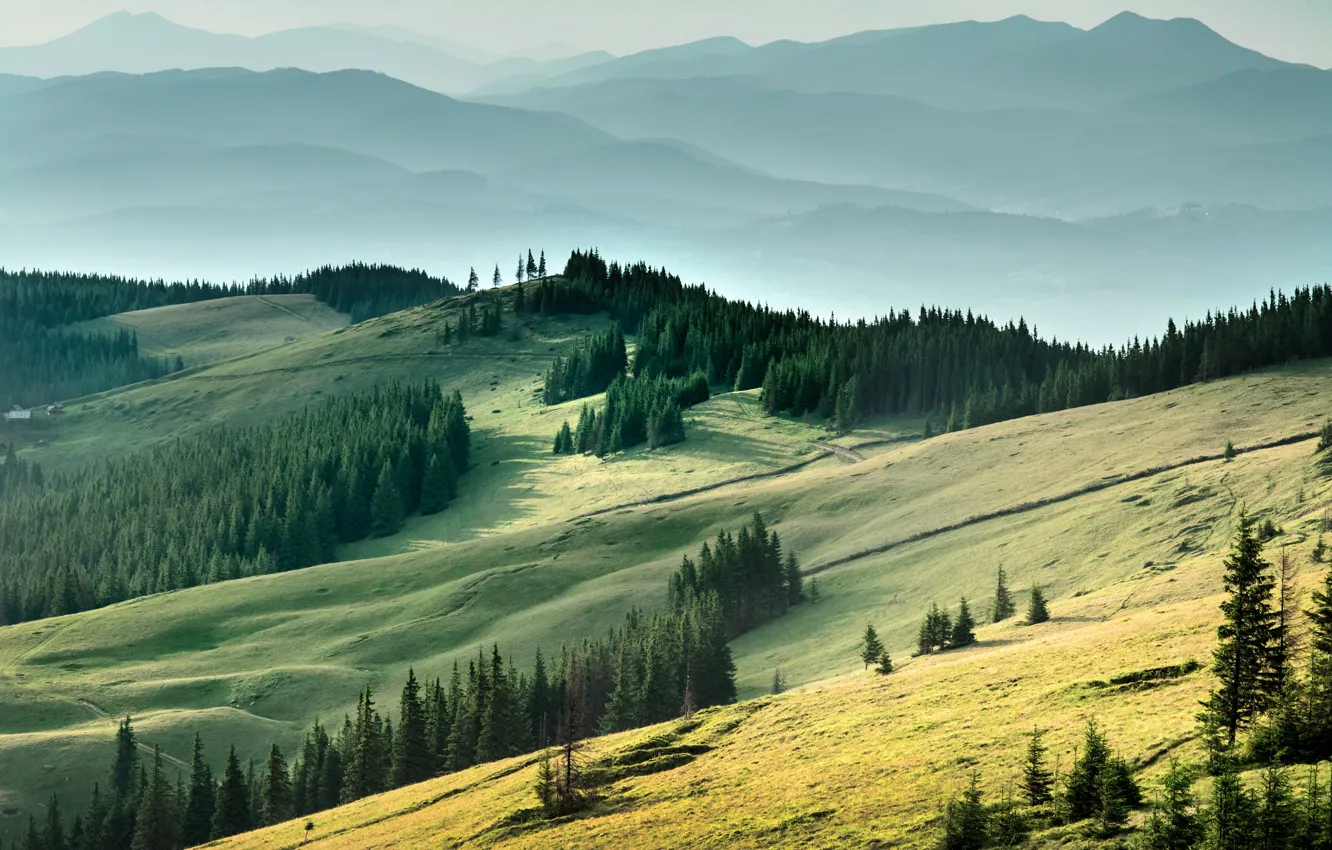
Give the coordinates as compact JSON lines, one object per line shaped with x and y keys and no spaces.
{"x":209,"y":331}
{"x":256,"y":660}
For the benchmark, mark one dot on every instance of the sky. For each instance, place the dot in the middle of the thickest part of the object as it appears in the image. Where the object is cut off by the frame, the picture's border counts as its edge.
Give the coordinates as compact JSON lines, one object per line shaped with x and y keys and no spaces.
{"x":1294,"y":30}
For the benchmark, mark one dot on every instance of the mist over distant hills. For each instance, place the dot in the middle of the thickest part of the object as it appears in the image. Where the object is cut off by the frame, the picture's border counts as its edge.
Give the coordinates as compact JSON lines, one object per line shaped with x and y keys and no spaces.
{"x":1013,"y":167}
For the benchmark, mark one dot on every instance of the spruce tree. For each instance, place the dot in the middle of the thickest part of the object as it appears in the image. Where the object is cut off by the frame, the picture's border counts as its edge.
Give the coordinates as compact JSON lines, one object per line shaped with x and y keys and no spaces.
{"x":1037,"y":780}
{"x":1037,"y":611}
{"x":498,"y":278}
{"x":275,"y":794}
{"x":963,"y":633}
{"x":885,"y":663}
{"x":1004,"y":606}
{"x":541,"y":266}
{"x":1242,"y":659}
{"x":157,"y":822}
{"x":795,"y":591}
{"x":1083,"y":789}
{"x":1231,"y":813}
{"x":125,"y":767}
{"x":54,"y":834}
{"x":412,"y":761}
{"x":1276,"y":817}
{"x":198,"y":821}
{"x":871,"y":648}
{"x":473,"y":281}
{"x":1319,"y":684}
{"x":1174,"y":823}
{"x":386,"y":508}
{"x":232,"y":813}
{"x":966,"y":820}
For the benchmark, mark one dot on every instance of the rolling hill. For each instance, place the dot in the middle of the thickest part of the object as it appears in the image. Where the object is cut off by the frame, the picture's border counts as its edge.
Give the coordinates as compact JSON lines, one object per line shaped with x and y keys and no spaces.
{"x":1119,"y":511}
{"x":221,"y":329}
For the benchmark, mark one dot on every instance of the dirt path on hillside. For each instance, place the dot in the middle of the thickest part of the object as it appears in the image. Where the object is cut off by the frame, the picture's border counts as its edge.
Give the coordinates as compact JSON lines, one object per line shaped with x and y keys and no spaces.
{"x":1026,"y":507}
{"x":292,"y":313}
{"x":848,"y":454}
{"x":744,"y":479}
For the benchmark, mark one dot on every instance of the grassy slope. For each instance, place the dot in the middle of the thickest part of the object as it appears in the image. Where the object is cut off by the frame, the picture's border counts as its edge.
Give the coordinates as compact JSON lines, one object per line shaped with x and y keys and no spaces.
{"x":255,"y":660}
{"x":210,"y":331}
{"x":861,"y":760}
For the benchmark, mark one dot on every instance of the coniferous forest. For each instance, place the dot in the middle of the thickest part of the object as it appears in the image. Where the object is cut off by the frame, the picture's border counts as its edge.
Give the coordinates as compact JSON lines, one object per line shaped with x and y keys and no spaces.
{"x":229,"y":503}
{"x":962,"y":370}
{"x":45,"y":361}
{"x":650,"y":669}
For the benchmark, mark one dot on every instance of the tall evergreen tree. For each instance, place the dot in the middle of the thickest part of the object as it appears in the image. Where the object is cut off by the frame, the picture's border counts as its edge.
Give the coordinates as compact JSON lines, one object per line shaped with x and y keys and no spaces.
{"x":386,"y":508}
{"x":1174,"y":823}
{"x":197,"y":825}
{"x":125,"y":768}
{"x":1242,"y":659}
{"x":412,"y":756}
{"x":963,"y":627}
{"x":157,"y":822}
{"x":1004,"y":606}
{"x":871,"y":648}
{"x":1083,"y":789}
{"x":232,"y":813}
{"x":275,"y":794}
{"x":1037,"y":780}
{"x":1231,"y":813}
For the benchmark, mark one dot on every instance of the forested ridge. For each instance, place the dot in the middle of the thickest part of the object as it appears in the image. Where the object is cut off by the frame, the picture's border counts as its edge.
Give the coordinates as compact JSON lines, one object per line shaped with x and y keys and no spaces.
{"x":960,"y":369}
{"x":42,"y":360}
{"x":229,"y":503}
{"x":649,"y":669}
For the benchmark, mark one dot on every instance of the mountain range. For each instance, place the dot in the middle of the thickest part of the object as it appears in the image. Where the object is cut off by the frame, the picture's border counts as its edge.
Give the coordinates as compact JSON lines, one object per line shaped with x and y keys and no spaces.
{"x":1015,"y":166}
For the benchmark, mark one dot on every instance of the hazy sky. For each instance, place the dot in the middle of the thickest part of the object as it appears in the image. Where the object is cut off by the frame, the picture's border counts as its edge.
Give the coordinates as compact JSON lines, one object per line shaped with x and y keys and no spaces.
{"x":1298,"y":30}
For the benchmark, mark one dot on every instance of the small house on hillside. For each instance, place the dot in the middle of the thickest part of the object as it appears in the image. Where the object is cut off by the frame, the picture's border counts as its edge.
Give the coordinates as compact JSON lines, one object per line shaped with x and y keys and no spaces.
{"x":18,"y":413}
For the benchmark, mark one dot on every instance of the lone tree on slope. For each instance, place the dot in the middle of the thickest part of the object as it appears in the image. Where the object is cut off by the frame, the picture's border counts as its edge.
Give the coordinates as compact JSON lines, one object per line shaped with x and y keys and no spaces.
{"x":871,"y":647}
{"x":1037,"y":612}
{"x":1242,"y":659}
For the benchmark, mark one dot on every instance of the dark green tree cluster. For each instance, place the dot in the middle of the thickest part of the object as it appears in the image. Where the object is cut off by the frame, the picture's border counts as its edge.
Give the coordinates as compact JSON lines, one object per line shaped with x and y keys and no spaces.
{"x":594,"y":364}
{"x":52,"y":299}
{"x":1271,"y":816}
{"x":43,"y":365}
{"x":1290,"y":708}
{"x":361,"y":290}
{"x":940,"y":632}
{"x":44,"y":360}
{"x":18,"y":476}
{"x":748,"y":573}
{"x":1099,"y":791}
{"x":232,"y":502}
{"x":636,"y":410}
{"x":949,"y":365}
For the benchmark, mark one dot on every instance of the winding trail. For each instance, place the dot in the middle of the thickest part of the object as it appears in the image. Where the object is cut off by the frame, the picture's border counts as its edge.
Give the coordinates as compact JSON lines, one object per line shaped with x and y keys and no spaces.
{"x":743,"y":479}
{"x":289,"y":312}
{"x":1037,"y":504}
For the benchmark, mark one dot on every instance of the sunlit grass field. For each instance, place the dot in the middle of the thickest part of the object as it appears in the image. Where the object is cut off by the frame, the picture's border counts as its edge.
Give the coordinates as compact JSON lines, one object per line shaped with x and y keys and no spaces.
{"x":846,"y":758}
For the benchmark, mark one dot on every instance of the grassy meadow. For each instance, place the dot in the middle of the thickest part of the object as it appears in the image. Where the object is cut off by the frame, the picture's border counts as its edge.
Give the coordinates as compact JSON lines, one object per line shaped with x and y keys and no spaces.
{"x":208,"y":331}
{"x":1131,"y":570}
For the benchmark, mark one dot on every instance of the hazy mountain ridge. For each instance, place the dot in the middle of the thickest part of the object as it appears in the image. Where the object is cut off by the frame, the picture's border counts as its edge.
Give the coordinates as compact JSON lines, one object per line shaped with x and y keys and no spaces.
{"x":704,"y":156}
{"x":146,"y":43}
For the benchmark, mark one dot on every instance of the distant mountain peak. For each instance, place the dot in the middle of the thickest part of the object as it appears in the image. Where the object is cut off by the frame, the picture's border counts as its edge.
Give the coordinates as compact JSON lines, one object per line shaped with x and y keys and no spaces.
{"x":1133,"y":23}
